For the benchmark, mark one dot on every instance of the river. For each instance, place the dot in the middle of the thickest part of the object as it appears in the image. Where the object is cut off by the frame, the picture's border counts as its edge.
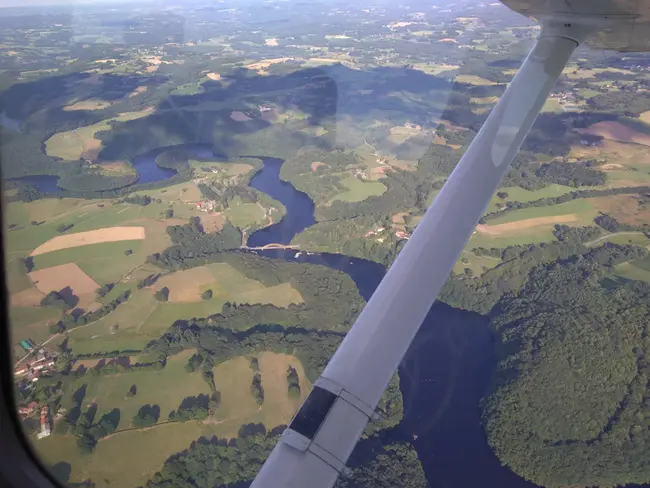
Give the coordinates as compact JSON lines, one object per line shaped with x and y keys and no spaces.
{"x":444,"y":374}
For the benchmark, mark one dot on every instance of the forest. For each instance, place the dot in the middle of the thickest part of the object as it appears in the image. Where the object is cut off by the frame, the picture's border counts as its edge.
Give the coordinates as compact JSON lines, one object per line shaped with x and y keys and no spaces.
{"x":592,"y":428}
{"x":238,"y":460}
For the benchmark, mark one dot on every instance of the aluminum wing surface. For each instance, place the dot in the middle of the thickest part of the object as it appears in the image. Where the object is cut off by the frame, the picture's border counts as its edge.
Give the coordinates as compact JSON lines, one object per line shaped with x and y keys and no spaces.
{"x":622,"y":25}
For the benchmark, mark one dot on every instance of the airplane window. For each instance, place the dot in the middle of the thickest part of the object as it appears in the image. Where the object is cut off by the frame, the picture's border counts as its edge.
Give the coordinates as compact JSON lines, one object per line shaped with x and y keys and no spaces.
{"x":199,"y":199}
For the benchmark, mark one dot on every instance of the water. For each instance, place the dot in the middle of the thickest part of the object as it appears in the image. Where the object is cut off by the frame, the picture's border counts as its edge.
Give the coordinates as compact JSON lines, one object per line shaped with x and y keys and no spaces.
{"x":45,"y":183}
{"x":299,"y":207}
{"x":9,"y":123}
{"x":444,"y":374}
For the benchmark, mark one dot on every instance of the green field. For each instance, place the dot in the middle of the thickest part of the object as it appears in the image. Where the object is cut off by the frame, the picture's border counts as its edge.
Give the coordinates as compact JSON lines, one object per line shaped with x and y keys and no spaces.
{"x":17,"y":275}
{"x":70,"y":145}
{"x":553,"y":106}
{"x":518,"y":194}
{"x":632,"y":271}
{"x":143,"y":451}
{"x":588,"y":92}
{"x":244,"y":214}
{"x":581,"y":208}
{"x":636,"y":238}
{"x":32,"y":322}
{"x":526,"y":236}
{"x":187,"y":89}
{"x":144,"y":318}
{"x":104,"y":263}
{"x":359,"y":190}
{"x":101,"y":336}
{"x":475,"y":263}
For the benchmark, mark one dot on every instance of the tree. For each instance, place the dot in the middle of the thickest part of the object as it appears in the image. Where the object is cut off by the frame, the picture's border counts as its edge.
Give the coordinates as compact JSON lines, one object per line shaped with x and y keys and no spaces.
{"x":208,"y":377}
{"x":29,"y":263}
{"x":64,"y":227}
{"x":132,"y":391}
{"x":255,"y":364}
{"x":293,"y":382}
{"x":105,"y":289}
{"x":162,"y":295}
{"x":502,"y":195}
{"x":206,"y":295}
{"x":146,"y":416}
{"x":128,"y":252}
{"x":256,"y":388}
{"x":169,"y":213}
{"x":86,"y":443}
{"x":194,"y":363}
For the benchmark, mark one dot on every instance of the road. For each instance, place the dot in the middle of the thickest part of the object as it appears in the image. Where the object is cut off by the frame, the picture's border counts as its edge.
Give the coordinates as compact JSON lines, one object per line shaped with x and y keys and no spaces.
{"x":607,"y":236}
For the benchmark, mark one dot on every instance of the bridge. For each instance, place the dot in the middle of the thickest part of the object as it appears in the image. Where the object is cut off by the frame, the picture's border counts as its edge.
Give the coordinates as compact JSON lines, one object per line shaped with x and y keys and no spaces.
{"x":272,"y":246}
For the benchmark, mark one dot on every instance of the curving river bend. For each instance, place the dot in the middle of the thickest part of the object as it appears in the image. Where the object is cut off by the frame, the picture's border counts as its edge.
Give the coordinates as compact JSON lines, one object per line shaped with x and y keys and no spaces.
{"x":443,"y":376}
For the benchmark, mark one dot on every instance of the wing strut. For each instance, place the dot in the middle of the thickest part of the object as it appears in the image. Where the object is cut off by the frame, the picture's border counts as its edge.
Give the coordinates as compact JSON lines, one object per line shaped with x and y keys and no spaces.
{"x":313,"y":451}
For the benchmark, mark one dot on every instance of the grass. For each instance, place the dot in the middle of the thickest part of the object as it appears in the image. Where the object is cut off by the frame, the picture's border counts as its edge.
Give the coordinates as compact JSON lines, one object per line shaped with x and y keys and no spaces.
{"x":141,"y":452}
{"x":244,"y":215}
{"x":525,"y":236}
{"x":100,"y":336}
{"x":32,"y":323}
{"x":632,"y":272}
{"x":143,"y":318}
{"x":474,"y":80}
{"x":553,"y":106}
{"x":518,"y":194}
{"x":581,"y":207}
{"x":635,"y":239}
{"x":588,"y":92}
{"x":16,"y":275}
{"x":187,"y":89}
{"x":226,"y":169}
{"x":475,"y":263}
{"x":104,"y":263}
{"x":359,"y":190}
{"x":71,"y":145}
{"x":582,"y":73}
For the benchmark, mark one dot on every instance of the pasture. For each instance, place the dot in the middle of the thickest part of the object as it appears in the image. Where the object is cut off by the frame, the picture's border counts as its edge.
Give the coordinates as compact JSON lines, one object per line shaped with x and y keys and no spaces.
{"x":143,"y":451}
{"x":359,"y":190}
{"x":245,"y":214}
{"x":109,"y":234}
{"x":227,"y":284}
{"x":144,"y":318}
{"x":518,"y":194}
{"x":628,"y":209}
{"x":66,"y":275}
{"x":80,"y":143}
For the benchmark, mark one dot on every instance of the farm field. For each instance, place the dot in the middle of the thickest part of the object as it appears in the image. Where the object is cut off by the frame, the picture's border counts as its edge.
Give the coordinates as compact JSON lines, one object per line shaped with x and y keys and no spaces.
{"x":81,"y":143}
{"x":581,"y":209}
{"x":359,"y":190}
{"x":478,"y":264}
{"x":142,"y":451}
{"x":143,"y":318}
{"x":110,"y":234}
{"x":518,"y":194}
{"x":245,"y":214}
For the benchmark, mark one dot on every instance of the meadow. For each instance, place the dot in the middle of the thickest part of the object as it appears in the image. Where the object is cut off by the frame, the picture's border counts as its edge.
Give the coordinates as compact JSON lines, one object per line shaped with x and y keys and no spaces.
{"x":143,"y":451}
{"x":144,"y":318}
{"x":359,"y":190}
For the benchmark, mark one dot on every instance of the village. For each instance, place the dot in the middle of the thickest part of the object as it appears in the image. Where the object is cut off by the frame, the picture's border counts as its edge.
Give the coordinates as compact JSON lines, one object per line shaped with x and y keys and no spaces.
{"x":37,"y":362}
